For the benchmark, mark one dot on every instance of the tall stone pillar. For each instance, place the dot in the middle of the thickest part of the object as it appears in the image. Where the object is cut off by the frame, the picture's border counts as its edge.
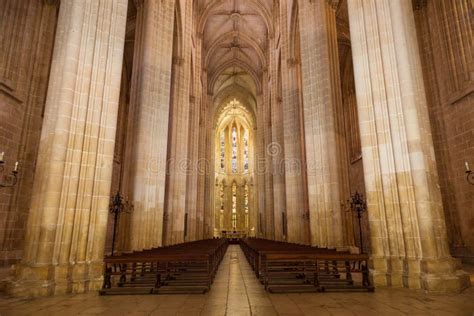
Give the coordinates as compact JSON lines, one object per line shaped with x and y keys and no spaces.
{"x":295,"y":193}
{"x":295,"y":173}
{"x":260,"y":165}
{"x":192,"y":222}
{"x":209,"y":174}
{"x":320,"y":97}
{"x":67,"y":223}
{"x":150,"y":94}
{"x":408,"y":233}
{"x":178,"y":159}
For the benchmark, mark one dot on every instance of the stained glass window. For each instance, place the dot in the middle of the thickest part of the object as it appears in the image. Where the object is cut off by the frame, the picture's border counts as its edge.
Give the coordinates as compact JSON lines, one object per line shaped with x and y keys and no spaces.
{"x":246,"y":150}
{"x":246,"y":205}
{"x":234,"y":206}
{"x":222,"y":150}
{"x":234,"y":150}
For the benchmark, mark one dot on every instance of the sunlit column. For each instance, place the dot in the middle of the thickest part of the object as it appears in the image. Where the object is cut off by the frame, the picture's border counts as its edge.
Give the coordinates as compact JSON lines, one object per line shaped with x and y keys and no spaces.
{"x":319,"y":102}
{"x":408,"y":233}
{"x":154,"y":37}
{"x":67,"y":223}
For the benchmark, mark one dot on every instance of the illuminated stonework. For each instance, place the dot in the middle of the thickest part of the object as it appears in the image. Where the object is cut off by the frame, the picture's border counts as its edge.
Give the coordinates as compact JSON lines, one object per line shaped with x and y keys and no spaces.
{"x":234,"y":156}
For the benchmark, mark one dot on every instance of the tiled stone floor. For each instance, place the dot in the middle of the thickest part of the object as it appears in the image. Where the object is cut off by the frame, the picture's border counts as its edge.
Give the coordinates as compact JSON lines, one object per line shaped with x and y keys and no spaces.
{"x":236,"y":291}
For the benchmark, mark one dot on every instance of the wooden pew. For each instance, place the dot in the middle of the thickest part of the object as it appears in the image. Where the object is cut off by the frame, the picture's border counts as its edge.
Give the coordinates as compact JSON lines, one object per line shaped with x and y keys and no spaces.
{"x":183,"y":268}
{"x":285,"y":267}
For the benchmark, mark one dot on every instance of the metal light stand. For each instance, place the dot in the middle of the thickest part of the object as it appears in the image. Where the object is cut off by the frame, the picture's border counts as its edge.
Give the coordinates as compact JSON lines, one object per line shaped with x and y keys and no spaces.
{"x":118,"y":205}
{"x":359,"y":205}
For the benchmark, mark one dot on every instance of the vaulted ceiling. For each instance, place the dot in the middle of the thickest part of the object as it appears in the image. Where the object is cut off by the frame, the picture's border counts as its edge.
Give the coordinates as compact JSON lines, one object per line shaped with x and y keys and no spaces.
{"x":235,"y":38}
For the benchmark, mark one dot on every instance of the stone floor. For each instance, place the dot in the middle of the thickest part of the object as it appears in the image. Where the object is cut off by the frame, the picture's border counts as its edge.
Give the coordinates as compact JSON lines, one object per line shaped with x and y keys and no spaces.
{"x":236,"y":291}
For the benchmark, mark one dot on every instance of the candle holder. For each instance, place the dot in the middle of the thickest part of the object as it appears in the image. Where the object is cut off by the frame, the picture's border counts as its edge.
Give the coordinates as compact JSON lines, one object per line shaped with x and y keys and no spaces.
{"x":358,"y":205}
{"x":8,"y":180}
{"x":469,"y":175}
{"x":118,"y":205}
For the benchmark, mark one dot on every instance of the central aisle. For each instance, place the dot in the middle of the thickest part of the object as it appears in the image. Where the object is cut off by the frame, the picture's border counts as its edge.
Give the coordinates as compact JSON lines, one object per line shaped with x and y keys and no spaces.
{"x":236,"y":290}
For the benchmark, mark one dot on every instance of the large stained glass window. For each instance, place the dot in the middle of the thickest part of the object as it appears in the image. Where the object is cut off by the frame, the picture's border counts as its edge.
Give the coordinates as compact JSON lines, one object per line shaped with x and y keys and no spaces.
{"x":234,"y":150}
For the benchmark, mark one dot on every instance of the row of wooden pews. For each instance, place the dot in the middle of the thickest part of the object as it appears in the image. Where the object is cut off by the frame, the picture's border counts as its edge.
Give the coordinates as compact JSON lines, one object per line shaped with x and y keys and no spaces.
{"x":285,"y":267}
{"x":179,"y":269}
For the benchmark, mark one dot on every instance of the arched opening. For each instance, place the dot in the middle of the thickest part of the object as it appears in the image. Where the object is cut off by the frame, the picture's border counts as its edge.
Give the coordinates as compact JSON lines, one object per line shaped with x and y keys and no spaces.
{"x":234,"y":156}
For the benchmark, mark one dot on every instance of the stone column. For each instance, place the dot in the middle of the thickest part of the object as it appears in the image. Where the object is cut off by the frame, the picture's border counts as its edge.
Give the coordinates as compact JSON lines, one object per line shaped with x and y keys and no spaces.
{"x":260,"y":163}
{"x":67,"y":223}
{"x":296,"y":194}
{"x":192,"y":172}
{"x":408,"y":233}
{"x":178,"y":159}
{"x":321,"y":92}
{"x":209,"y":174}
{"x":150,"y":94}
{"x":203,"y":162}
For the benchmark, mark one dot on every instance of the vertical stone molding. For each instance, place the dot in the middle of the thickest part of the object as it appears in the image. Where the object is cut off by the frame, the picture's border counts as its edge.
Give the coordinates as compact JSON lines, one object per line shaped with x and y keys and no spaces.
{"x":408,"y":233}
{"x":65,"y":238}
{"x":150,"y":96}
{"x":321,"y":93}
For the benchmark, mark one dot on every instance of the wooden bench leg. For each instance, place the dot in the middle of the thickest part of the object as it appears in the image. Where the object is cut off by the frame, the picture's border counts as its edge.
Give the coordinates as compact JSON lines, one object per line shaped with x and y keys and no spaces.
{"x":316,"y":276}
{"x":107,"y":278}
{"x":348,"y":271}
{"x":123,"y":276}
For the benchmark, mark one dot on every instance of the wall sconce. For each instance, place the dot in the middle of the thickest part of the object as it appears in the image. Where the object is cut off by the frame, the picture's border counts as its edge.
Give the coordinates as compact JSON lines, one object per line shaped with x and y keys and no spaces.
{"x":8,"y":180}
{"x":469,"y":174}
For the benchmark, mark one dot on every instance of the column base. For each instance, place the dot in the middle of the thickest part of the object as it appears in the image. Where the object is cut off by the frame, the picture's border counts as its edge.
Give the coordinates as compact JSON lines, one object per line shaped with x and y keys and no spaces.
{"x":37,"y":281}
{"x":386,"y":272}
{"x":443,"y":276}
{"x":433,"y":276}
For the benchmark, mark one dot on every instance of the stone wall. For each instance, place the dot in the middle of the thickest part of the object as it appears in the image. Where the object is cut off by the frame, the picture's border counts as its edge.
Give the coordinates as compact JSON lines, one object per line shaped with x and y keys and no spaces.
{"x":27,"y":31}
{"x":444,"y":36}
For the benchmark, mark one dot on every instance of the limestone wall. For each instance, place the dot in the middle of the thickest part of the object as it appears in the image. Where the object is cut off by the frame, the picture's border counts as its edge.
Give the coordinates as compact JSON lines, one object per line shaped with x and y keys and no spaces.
{"x":445,"y":39}
{"x":27,"y":29}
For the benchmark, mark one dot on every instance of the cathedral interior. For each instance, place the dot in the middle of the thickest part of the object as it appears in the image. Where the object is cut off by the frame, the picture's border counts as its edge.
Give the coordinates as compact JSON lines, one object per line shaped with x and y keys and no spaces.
{"x":154,"y":128}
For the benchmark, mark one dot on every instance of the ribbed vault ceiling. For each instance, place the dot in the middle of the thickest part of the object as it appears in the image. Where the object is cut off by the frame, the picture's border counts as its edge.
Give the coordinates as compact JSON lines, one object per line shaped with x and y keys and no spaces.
{"x":235,"y":37}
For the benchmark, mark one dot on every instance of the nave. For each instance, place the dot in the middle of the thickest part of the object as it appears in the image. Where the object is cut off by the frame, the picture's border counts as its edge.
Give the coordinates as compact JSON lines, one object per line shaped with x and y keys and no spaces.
{"x":236,"y":291}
